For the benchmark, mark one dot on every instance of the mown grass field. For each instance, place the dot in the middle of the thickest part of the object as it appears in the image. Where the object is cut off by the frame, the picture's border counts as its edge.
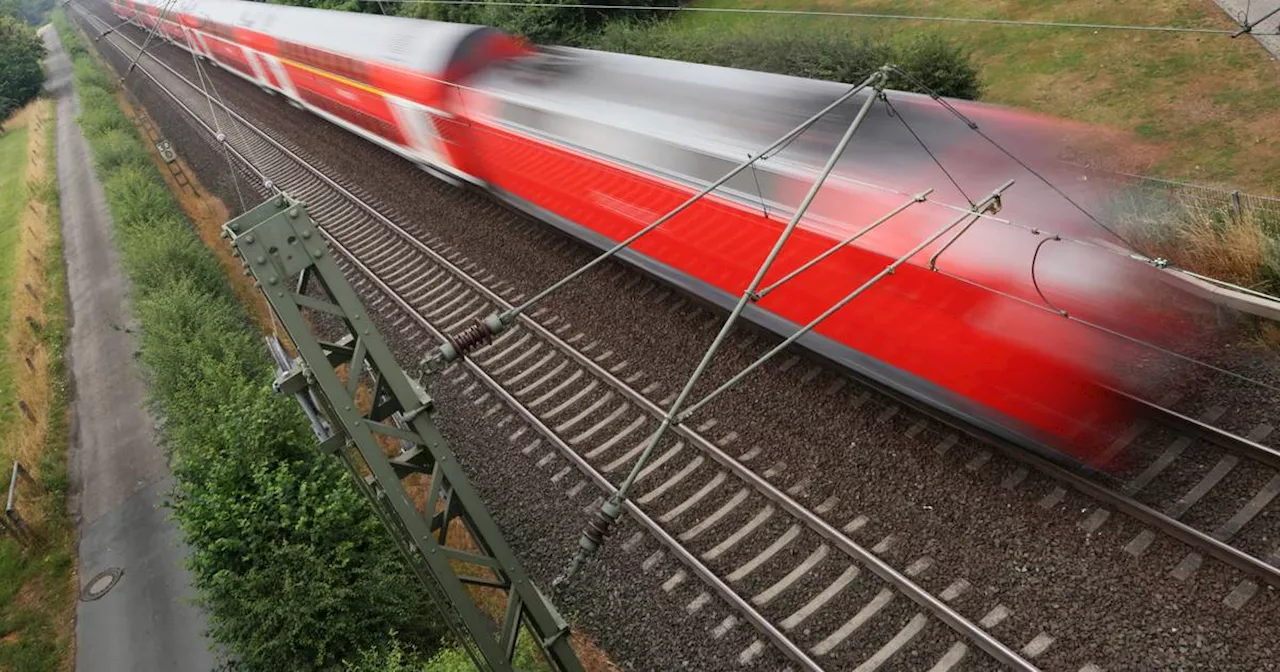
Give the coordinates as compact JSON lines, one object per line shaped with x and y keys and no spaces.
{"x":13,"y":176}
{"x":36,"y":582}
{"x":1201,"y":108}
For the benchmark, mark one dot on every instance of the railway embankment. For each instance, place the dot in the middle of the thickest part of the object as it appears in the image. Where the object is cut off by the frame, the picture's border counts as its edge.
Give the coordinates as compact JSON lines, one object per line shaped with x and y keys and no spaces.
{"x":288,"y":566}
{"x":36,"y":541}
{"x":133,"y":612}
{"x":1041,"y":564}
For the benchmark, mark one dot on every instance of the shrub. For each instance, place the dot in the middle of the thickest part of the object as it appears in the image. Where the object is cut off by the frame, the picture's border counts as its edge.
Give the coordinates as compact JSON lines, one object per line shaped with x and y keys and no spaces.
{"x":940,"y":65}
{"x":21,"y":76}
{"x":290,"y":564}
{"x":395,"y":657}
{"x":451,"y":660}
{"x":89,"y":75}
{"x":156,"y":253}
{"x":568,"y":25}
{"x":118,"y":149}
{"x":138,"y":197}
{"x":1210,"y":241}
{"x":102,"y":115}
{"x":828,"y":54}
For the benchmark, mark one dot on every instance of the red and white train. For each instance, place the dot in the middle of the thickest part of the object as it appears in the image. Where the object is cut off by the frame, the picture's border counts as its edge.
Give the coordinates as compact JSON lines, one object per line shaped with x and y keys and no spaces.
{"x":603,"y":144}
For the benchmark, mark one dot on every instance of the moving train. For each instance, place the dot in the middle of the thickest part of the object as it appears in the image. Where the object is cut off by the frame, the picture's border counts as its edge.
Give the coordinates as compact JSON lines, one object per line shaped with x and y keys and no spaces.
{"x":997,"y":322}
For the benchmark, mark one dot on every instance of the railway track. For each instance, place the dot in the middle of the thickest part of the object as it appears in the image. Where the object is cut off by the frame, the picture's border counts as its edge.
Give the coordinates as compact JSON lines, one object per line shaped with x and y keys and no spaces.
{"x":578,"y":411}
{"x":586,"y":418}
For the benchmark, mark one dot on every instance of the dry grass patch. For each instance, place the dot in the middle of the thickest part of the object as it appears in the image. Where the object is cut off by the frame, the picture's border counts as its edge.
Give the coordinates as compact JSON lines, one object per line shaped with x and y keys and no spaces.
{"x":37,"y":609}
{"x":1237,"y":248}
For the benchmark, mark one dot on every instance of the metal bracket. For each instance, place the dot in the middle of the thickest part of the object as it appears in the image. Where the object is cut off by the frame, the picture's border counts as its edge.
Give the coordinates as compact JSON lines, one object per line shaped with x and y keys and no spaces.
{"x":354,"y":392}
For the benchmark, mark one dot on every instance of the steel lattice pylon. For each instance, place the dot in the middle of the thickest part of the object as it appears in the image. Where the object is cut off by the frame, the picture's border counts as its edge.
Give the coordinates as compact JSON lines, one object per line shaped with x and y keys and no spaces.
{"x":283,"y":249}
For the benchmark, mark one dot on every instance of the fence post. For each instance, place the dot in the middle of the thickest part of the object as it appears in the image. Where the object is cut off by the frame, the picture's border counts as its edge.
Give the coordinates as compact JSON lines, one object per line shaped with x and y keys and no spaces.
{"x":1235,"y":205}
{"x":14,"y":523}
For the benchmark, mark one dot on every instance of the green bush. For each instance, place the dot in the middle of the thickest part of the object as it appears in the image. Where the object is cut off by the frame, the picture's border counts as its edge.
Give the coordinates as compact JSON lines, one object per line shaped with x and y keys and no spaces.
{"x":568,"y":25}
{"x":450,"y":660}
{"x":118,"y":149}
{"x":137,"y":196}
{"x":102,"y":115}
{"x":940,"y":65}
{"x":21,"y":76}
{"x":395,"y":657}
{"x":88,"y":74}
{"x":828,"y":54}
{"x":291,"y":565}
{"x":33,"y":12}
{"x":156,"y":253}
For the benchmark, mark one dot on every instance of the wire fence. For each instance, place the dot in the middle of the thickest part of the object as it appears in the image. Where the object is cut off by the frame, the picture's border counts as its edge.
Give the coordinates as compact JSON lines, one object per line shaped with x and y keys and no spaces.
{"x":1202,"y":196}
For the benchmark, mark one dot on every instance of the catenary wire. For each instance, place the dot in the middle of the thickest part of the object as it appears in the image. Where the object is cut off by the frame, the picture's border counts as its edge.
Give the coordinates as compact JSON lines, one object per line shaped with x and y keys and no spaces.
{"x":973,"y":125}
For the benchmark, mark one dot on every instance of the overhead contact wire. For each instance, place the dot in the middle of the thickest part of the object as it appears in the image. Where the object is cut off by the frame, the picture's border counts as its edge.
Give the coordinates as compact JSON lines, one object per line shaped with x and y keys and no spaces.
{"x":894,"y":111}
{"x":973,"y":125}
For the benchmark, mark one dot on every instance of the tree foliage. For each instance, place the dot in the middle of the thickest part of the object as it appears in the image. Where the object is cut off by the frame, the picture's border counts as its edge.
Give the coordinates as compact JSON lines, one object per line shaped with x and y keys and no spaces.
{"x":565,"y":25}
{"x":21,"y":75}
{"x":31,"y":12}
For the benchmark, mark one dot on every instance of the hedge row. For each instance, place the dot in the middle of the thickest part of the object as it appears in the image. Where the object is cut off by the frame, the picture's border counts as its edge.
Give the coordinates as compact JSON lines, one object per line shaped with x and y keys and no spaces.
{"x":289,"y":562}
{"x":831,"y":54}
{"x":571,"y":24}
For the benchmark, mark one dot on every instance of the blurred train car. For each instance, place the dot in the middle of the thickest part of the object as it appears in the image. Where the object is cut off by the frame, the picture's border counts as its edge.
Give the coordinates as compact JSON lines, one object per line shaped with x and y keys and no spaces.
{"x":602,"y":144}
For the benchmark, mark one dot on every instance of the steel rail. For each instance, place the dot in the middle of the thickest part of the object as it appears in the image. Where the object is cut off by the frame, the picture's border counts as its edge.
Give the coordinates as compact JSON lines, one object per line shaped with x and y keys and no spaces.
{"x":1231,"y":442}
{"x":1173,"y":527}
{"x":1196,"y":539}
{"x":787,"y":646}
{"x":812,"y":521}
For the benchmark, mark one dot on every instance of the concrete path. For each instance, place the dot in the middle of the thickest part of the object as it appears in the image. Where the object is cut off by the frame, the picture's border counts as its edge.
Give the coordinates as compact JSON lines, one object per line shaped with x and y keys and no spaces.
{"x":118,"y":474}
{"x":1264,"y":32}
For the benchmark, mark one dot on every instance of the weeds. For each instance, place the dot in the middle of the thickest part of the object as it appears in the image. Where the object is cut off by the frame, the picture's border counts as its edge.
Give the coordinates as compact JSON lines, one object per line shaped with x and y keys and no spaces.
{"x":1241,"y":248}
{"x":37,"y":583}
{"x":291,"y":565}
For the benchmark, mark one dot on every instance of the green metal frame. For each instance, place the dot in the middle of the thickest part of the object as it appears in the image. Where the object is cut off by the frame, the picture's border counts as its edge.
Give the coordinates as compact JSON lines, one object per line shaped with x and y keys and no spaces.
{"x":282,"y":248}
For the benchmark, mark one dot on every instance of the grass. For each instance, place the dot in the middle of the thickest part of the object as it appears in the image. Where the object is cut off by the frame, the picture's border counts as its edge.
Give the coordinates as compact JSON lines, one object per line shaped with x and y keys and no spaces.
{"x":1241,"y":249}
{"x":37,"y":584}
{"x":318,"y":579}
{"x":187,"y":351}
{"x":1200,"y":108}
{"x":13,"y":200}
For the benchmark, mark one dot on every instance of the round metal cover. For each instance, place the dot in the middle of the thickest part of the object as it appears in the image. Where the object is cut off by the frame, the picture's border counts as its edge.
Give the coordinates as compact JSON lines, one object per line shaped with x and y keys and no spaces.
{"x":100,"y":584}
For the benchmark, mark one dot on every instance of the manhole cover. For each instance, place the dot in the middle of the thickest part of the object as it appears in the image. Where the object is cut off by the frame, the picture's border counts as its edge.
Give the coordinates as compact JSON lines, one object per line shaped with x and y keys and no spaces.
{"x":100,"y":584}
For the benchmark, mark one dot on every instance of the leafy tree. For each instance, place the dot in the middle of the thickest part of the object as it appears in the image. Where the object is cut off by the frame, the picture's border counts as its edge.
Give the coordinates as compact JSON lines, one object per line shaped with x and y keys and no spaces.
{"x":32,"y":12}
{"x":20,"y":73}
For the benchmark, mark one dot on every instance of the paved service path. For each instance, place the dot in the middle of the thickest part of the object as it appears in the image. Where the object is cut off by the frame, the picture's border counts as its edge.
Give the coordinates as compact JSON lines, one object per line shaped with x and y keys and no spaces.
{"x":118,"y":473}
{"x":1265,"y":31}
